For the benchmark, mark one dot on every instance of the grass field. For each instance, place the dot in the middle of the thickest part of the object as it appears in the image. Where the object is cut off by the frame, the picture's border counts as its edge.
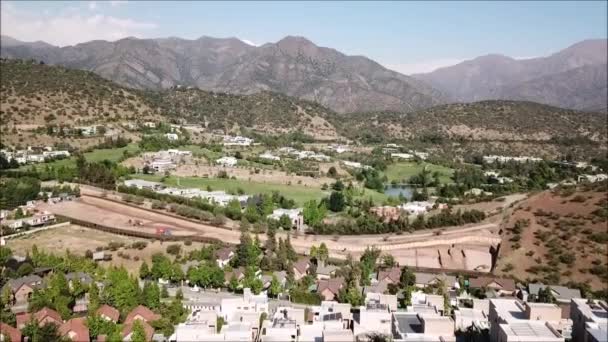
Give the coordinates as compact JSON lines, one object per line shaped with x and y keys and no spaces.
{"x":298,"y":193}
{"x":112,"y":154}
{"x":404,"y":170}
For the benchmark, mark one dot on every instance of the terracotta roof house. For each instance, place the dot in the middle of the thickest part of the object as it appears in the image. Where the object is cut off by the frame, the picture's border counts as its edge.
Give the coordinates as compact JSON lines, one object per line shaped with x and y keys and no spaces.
{"x":429,"y":279}
{"x":13,"y":333}
{"x":75,"y":329}
{"x":22,"y":319}
{"x":390,"y":276}
{"x":300,"y":268}
{"x":562,"y":294}
{"x":127,"y":330}
{"x":22,"y":288}
{"x":379,"y":287}
{"x":223,"y":256}
{"x":46,"y":315}
{"x":239,"y":274}
{"x":328,"y":289}
{"x":326,"y":271}
{"x":141,"y":313}
{"x":109,"y":313}
{"x":501,"y":285}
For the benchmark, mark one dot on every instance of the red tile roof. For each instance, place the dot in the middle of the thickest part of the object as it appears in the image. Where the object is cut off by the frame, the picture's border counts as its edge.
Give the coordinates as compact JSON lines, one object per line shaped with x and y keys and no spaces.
{"x":128,"y":328}
{"x":76,"y":329}
{"x":302,"y":265}
{"x":22,"y":319}
{"x":144,"y":312}
{"x":48,"y":313}
{"x":333,"y":285}
{"x":13,"y":333}
{"x":109,"y":312}
{"x":393,"y":275}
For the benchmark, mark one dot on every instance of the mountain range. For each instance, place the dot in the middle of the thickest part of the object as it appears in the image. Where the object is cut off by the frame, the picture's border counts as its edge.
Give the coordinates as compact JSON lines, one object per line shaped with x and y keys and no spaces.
{"x":572,"y":78}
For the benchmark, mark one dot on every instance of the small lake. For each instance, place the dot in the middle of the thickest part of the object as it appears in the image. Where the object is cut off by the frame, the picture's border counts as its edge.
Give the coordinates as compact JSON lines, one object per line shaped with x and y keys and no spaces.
{"x":395,"y":190}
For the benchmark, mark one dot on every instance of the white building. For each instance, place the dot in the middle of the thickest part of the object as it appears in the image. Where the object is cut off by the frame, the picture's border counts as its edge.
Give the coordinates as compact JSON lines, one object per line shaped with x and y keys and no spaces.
{"x":405,"y":156}
{"x":390,"y":301}
{"x":416,"y":207}
{"x":162,"y":165}
{"x":237,"y":141}
{"x":87,"y":130}
{"x":55,"y":154}
{"x":231,"y":307}
{"x":355,"y":165}
{"x":421,"y":155}
{"x":150,"y":124}
{"x":503,"y":159}
{"x":589,"y":320}
{"x":172,"y":136}
{"x":268,"y":156}
{"x":422,"y":326}
{"x":199,"y":326}
{"x":373,"y":318}
{"x":295,"y":215}
{"x":512,"y":320}
{"x":339,"y":148}
{"x":143,"y":184}
{"x":227,"y":161}
{"x":593,"y":178}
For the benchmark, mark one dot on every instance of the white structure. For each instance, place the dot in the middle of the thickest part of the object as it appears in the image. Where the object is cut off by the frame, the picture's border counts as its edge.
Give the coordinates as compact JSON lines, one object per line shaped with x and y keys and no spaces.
{"x":339,"y":148}
{"x":589,"y":320}
{"x":593,"y":178}
{"x":237,"y":141}
{"x":421,"y":155}
{"x":150,"y":124}
{"x":355,"y":165}
{"x":373,"y":318}
{"x":380,"y":299}
{"x":405,"y":156}
{"x":55,"y":154}
{"x":171,"y":136}
{"x":231,"y":307}
{"x":162,"y":165}
{"x":295,"y":215}
{"x":416,"y":207}
{"x":200,"y":326}
{"x":512,"y":320}
{"x":87,"y":130}
{"x":268,"y":156}
{"x":422,"y":326}
{"x":227,"y":161}
{"x":143,"y":184}
{"x":504,"y":159}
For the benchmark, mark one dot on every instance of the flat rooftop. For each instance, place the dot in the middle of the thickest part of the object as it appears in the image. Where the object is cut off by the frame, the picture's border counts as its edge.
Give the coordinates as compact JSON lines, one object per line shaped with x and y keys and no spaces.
{"x":537,"y":329}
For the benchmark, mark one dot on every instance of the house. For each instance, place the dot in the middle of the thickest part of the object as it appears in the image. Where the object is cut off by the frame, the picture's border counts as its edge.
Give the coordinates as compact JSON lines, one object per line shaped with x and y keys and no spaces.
{"x":416,"y":207}
{"x":162,"y":165}
{"x":268,"y":156}
{"x":379,"y":299}
{"x":387,"y":212}
{"x":431,"y":279}
{"x":227,"y":161}
{"x":83,"y":278}
{"x":328,"y":289}
{"x":149,"y":124}
{"x":87,"y":130}
{"x":237,"y":141}
{"x":373,"y":318}
{"x":199,"y":326}
{"x":422,"y":326}
{"x":141,"y":313}
{"x":281,"y":277}
{"x":512,"y":320}
{"x":503,"y":159}
{"x":171,"y":136}
{"x":295,"y":215}
{"x":127,"y":330}
{"x":223,"y":256}
{"x":143,"y":184}
{"x":13,"y":334}
{"x":231,"y":307}
{"x":75,"y":329}
{"x":376,"y":287}
{"x":108,"y":313}
{"x":593,"y":178}
{"x":326,"y":271}
{"x":404,"y":156}
{"x":390,"y":276}
{"x":45,"y":316}
{"x":562,"y":294}
{"x":502,"y":286}
{"x":589,"y":320}
{"x":22,"y":288}
{"x":300,"y":268}
{"x":81,"y":305}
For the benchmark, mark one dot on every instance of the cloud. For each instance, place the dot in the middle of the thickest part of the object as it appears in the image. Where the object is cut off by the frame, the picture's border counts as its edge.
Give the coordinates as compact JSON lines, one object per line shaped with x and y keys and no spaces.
{"x":69,"y":27}
{"x":424,"y":67}
{"x":92,"y":5}
{"x":116,"y":3}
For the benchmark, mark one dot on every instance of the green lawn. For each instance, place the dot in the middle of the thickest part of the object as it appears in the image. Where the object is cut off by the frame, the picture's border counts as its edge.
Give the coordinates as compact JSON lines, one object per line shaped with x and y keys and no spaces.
{"x":404,"y":170}
{"x":298,"y":193}
{"x":112,"y":154}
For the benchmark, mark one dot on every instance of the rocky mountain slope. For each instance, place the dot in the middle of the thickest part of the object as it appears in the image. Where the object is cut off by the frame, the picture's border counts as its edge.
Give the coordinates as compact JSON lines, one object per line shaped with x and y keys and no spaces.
{"x":572,"y":78}
{"x":293,"y":66}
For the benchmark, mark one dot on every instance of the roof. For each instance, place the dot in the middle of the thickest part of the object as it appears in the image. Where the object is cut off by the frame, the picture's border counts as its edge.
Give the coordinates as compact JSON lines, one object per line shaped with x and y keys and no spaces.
{"x":537,"y":329}
{"x":144,"y":312}
{"x":224,"y":253}
{"x":302,"y":265}
{"x":22,"y":319}
{"x":33,"y":281}
{"x":432,"y":278}
{"x":84,"y":278}
{"x":75,"y":329}
{"x":128,"y":328}
{"x":559,"y":292}
{"x":13,"y":333}
{"x":380,"y":287}
{"x":47,"y":312}
{"x":109,"y":312}
{"x":504,"y":283}
{"x":326,"y":269}
{"x":394,"y":274}
{"x":333,"y":285}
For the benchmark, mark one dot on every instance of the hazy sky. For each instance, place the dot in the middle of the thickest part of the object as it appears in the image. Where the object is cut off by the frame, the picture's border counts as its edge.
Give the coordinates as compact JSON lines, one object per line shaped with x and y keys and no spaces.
{"x":406,"y":36}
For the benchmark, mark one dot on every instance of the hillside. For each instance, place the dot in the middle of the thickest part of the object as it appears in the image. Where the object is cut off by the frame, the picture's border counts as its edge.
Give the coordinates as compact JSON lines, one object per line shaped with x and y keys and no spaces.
{"x":571,"y":78}
{"x":293,"y":66}
{"x":557,"y":237}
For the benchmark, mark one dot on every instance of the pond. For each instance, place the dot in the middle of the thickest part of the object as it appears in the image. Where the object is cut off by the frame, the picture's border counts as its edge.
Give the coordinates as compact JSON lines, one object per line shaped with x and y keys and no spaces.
{"x":396,"y":189}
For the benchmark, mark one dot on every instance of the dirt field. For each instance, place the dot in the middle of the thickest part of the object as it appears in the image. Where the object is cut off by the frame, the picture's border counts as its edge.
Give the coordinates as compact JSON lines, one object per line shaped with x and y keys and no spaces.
{"x":80,"y":239}
{"x":558,"y":237}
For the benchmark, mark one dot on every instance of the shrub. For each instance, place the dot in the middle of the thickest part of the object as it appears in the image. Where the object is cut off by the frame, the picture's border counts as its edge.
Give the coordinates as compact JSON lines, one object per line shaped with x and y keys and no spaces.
{"x":174,"y":249}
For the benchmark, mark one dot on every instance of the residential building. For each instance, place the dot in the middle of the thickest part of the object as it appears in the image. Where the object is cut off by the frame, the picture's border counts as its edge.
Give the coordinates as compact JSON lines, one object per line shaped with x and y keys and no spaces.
{"x":502,"y":286}
{"x":227,"y":161}
{"x":388,"y":300}
{"x":339,"y":148}
{"x":23,"y":288}
{"x":75,"y":329}
{"x":390,"y":276}
{"x":237,"y":141}
{"x":593,"y":178}
{"x":127,"y":330}
{"x":404,"y":156}
{"x":325,"y":271}
{"x":172,"y":136}
{"x":295,"y":215}
{"x":589,"y":320}
{"x":87,"y":130}
{"x":108,"y":313}
{"x":231,"y":307}
{"x":422,"y":326}
{"x":300,"y":268}
{"x":45,"y":316}
{"x":238,"y":332}
{"x":199,"y":326}
{"x":416,"y":207}
{"x":149,"y":124}
{"x":328,"y":289}
{"x":13,"y":334}
{"x":223,"y":256}
{"x":562,"y":294}
{"x":433,"y":279}
{"x":143,"y":184}
{"x":373,"y":318}
{"x":83,"y":278}
{"x":162,"y":165}
{"x":503,"y":159}
{"x":141,"y":313}
{"x":512,"y":320}
{"x":268,"y":156}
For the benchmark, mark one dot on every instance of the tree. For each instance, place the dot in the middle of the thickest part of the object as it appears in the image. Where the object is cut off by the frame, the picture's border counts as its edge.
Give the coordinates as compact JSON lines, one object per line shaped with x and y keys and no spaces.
{"x":233,"y":284}
{"x":336,"y":201}
{"x":351,"y":295}
{"x":163,"y":292}
{"x":151,"y":295}
{"x":332,"y":172}
{"x":233,"y":210}
{"x":407,"y":278}
{"x":94,"y":300}
{"x":251,"y":213}
{"x":138,"y":334}
{"x":144,"y":272}
{"x":545,"y":295}
{"x":25,"y":269}
{"x":275,"y":287}
{"x":313,"y":212}
{"x":388,"y":261}
{"x":285,"y":222}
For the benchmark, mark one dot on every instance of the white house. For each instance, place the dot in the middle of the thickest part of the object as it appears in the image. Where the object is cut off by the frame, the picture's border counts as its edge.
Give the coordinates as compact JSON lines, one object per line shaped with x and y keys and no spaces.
{"x":172,"y":136}
{"x":593,"y":178}
{"x":295,"y":215}
{"x":339,"y":148}
{"x":227,"y":161}
{"x":504,"y":159}
{"x":237,"y":141}
{"x":230,"y":307}
{"x":416,"y":207}
{"x":87,"y":130}
{"x":150,"y":124}
{"x":143,"y":184}
{"x":268,"y":156}
{"x":405,"y":156}
{"x":162,"y":165}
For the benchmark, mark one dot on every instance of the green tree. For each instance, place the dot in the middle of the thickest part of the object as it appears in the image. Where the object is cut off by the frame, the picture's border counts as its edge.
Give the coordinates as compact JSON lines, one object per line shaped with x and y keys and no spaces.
{"x":407,"y":278}
{"x":151,"y":295}
{"x":25,"y":269}
{"x":233,"y":210}
{"x":144,"y":271}
{"x":285,"y":222}
{"x":336,"y":201}
{"x":163,"y":292}
{"x":138,"y":334}
{"x":313,"y":212}
{"x":275,"y":287}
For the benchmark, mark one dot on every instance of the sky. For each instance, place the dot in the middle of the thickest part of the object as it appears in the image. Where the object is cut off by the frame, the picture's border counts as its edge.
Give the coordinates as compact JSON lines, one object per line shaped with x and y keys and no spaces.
{"x":408,"y":37}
